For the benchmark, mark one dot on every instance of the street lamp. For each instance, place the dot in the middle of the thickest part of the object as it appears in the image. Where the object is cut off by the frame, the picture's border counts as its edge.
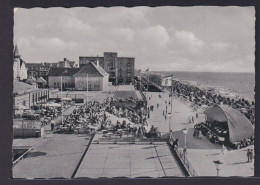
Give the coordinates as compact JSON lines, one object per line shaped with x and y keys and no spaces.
{"x":185,"y":131}
{"x":217,"y":165}
{"x":142,"y":109}
{"x":170,"y":120}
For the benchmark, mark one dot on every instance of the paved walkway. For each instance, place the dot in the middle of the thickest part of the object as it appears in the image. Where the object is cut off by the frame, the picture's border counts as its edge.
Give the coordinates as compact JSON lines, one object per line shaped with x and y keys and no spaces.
{"x":180,"y":117}
{"x":200,"y":152}
{"x":54,"y":155}
{"x":128,"y":160}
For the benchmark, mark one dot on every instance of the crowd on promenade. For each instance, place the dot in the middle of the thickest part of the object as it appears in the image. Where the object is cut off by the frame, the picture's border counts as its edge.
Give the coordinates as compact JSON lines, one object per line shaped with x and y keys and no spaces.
{"x":201,"y":97}
{"x":97,"y":116}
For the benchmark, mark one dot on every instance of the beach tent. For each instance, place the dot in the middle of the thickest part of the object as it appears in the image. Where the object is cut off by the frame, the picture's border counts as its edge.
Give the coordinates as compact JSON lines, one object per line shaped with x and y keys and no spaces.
{"x":239,"y":126}
{"x":51,"y":105}
{"x":66,"y":99}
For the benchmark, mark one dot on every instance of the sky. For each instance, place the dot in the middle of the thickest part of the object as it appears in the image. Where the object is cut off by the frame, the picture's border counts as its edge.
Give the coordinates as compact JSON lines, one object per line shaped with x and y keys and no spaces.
{"x":197,"y":39}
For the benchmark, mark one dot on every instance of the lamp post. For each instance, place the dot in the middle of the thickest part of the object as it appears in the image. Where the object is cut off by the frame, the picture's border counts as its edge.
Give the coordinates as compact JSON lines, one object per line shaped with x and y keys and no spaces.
{"x":147,"y":91}
{"x":171,"y":94}
{"x":87,"y":90}
{"x":170,"y":120}
{"x":217,"y":165}
{"x":142,"y":109}
{"x":61,"y":100}
{"x":185,"y":131}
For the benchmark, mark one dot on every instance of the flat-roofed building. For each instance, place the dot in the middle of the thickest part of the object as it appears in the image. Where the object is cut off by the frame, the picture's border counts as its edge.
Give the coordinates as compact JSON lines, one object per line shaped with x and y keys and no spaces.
{"x":120,"y":69}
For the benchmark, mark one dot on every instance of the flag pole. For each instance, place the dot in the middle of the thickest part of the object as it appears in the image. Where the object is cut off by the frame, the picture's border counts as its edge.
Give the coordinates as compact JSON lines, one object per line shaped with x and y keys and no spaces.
{"x":87,"y":89}
{"x":171,"y":103}
{"x":147,"y":91}
{"x":61,"y":101}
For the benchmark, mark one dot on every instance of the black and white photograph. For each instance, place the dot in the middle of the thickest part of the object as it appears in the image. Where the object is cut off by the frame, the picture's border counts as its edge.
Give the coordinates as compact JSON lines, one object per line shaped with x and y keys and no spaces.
{"x":133,"y":92}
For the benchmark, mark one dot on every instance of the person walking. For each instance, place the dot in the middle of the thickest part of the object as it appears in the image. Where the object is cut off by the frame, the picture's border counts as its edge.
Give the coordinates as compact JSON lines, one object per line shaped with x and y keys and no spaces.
{"x":52,"y":125}
{"x":249,"y":155}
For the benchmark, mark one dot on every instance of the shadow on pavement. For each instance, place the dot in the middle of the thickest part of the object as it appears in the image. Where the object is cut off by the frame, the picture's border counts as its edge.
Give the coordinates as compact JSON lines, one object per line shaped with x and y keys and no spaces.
{"x":36,"y":154}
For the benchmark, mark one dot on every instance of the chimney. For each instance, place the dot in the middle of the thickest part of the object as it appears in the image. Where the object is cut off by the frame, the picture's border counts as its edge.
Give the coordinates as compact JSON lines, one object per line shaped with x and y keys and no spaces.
{"x":65,"y":59}
{"x":97,"y":62}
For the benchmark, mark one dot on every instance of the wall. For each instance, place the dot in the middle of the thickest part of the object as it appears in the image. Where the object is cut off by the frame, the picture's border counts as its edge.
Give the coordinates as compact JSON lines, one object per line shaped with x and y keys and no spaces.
{"x":23,"y":72}
{"x":85,"y":60}
{"x":126,"y":69}
{"x":27,"y":133}
{"x":23,"y":99}
{"x":68,"y":82}
{"x":95,"y":83}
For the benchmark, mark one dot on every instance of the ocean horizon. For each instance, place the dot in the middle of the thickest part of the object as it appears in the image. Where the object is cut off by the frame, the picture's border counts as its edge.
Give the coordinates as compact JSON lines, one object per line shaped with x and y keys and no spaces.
{"x":240,"y":83}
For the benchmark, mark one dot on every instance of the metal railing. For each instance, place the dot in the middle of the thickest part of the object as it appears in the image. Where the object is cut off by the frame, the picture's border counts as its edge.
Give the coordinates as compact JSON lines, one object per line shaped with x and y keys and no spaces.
{"x":182,"y":156}
{"x":127,"y":138}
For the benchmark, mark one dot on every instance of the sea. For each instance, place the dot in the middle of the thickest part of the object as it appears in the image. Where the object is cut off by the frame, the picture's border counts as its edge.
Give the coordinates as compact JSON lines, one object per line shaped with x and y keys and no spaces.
{"x":241,"y":84}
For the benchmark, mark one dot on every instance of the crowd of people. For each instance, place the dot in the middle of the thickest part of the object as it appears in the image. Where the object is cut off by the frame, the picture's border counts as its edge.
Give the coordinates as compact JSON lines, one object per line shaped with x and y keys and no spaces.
{"x":106,"y":117}
{"x":219,"y":135}
{"x":201,"y":97}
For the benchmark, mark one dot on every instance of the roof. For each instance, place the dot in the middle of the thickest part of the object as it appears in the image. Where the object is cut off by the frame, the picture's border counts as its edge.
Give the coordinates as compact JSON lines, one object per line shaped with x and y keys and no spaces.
{"x":41,"y":80}
{"x":55,"y":71}
{"x":51,"y":64}
{"x":239,"y":126}
{"x":21,"y":86}
{"x":30,"y":80}
{"x":126,"y":57}
{"x":168,"y":76}
{"x":90,"y":57}
{"x":22,"y":62}
{"x":16,"y":52}
{"x":92,"y":70}
{"x":33,"y":64}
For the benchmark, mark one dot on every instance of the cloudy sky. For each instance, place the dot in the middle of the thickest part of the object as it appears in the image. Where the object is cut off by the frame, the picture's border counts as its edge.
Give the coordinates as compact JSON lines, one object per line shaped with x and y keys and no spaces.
{"x":162,"y":38}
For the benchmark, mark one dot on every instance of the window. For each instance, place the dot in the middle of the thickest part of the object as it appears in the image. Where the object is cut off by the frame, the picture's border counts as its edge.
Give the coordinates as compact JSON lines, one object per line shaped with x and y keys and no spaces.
{"x":54,"y":85}
{"x":58,"y":85}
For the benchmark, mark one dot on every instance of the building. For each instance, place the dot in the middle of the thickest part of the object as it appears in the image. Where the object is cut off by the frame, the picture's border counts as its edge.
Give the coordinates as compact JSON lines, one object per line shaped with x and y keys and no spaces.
{"x":90,"y":77}
{"x":67,"y":64}
{"x":166,"y":81}
{"x":56,"y":76}
{"x":120,"y":69}
{"x":19,"y":66}
{"x":38,"y":70}
{"x":25,"y":95}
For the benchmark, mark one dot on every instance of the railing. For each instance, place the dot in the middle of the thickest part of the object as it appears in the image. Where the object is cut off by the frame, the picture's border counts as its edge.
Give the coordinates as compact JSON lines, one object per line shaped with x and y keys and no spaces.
{"x":182,"y":156}
{"x":28,"y":149}
{"x":128,"y":138}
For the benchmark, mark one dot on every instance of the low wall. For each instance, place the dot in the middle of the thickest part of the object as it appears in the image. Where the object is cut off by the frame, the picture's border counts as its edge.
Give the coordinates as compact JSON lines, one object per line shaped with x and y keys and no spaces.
{"x":28,"y":132}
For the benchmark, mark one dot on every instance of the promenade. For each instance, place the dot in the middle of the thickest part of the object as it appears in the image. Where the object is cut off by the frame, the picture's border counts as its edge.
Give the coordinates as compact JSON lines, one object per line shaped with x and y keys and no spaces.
{"x":200,"y":152}
{"x":57,"y":155}
{"x":54,"y":155}
{"x":128,"y":160}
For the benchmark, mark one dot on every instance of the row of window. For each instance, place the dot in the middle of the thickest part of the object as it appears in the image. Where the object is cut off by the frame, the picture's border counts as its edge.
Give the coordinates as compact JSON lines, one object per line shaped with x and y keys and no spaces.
{"x":39,"y":96}
{"x":64,"y":85}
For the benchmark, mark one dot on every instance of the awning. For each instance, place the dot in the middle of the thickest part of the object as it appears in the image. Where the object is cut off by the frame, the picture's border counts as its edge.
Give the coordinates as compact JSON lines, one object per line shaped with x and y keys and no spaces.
{"x":239,"y":126}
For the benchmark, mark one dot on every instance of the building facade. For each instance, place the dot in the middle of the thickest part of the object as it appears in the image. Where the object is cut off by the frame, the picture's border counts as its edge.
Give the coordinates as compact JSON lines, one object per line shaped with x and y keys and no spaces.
{"x":120,"y":69}
{"x":166,"y":81}
{"x":90,"y":77}
{"x":27,"y":95}
{"x":38,"y":70}
{"x":19,"y":66}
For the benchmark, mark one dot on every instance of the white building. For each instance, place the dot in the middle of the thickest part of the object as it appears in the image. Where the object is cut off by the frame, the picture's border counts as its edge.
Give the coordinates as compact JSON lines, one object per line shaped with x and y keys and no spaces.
{"x":167,"y":81}
{"x":20,"y":71}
